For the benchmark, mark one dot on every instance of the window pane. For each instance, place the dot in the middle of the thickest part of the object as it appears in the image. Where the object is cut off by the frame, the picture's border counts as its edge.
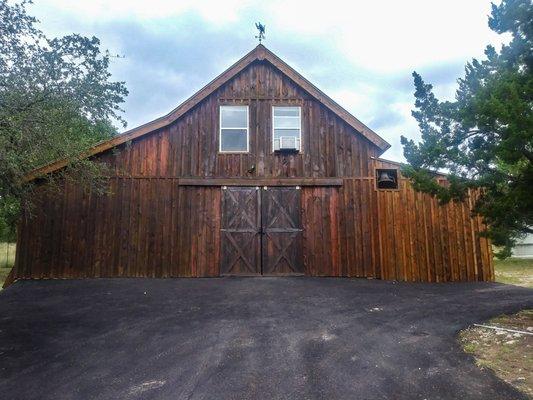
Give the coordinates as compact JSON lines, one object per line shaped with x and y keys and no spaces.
{"x":286,"y":132}
{"x":286,"y":111}
{"x":287,"y":122}
{"x":233,"y":117}
{"x":233,"y":140}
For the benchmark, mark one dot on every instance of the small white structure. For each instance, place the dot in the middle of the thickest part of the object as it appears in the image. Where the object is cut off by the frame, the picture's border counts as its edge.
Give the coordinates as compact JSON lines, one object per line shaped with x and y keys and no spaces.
{"x":524,"y":248}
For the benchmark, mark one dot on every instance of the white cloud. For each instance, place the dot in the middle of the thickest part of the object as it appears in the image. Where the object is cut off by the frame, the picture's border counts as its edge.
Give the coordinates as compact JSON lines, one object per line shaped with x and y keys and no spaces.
{"x":213,"y":11}
{"x":388,"y":35}
{"x":356,"y":100}
{"x":361,"y":53}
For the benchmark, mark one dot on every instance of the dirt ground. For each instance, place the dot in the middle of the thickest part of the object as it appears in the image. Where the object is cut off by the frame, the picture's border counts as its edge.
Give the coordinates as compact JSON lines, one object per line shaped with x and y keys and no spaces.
{"x":509,"y":355}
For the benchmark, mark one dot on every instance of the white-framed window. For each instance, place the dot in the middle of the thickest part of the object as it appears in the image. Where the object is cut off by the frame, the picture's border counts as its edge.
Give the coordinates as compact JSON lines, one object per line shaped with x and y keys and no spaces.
{"x":286,"y":128}
{"x":234,"y":131}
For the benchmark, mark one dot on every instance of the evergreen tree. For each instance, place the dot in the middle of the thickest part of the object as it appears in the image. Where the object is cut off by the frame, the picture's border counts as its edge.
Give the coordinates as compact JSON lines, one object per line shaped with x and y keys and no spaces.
{"x":484,"y":138}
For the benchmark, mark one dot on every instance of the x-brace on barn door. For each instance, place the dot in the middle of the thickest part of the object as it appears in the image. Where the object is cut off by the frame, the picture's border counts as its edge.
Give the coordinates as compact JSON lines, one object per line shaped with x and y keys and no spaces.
{"x":261,"y":231}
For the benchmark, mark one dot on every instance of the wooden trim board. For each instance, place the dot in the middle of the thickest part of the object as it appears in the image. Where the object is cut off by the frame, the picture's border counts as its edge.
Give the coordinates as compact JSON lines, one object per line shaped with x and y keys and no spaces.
{"x":260,"y":182}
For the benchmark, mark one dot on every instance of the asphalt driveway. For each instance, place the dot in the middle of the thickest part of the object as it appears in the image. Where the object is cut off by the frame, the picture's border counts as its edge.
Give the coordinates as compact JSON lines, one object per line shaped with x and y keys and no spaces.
{"x":246,"y":338}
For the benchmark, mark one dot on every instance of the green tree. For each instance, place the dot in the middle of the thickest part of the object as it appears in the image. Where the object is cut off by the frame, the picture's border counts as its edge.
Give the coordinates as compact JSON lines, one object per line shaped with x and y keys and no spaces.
{"x":56,"y":100}
{"x":484,"y":138}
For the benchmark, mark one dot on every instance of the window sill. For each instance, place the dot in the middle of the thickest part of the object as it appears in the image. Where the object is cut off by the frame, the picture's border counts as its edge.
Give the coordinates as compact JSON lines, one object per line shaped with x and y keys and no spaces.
{"x":281,"y":152}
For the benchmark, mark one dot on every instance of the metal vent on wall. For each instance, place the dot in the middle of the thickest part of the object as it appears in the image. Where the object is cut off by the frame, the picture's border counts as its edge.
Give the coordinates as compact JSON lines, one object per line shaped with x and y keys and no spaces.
{"x":287,"y":143}
{"x":386,"y":179}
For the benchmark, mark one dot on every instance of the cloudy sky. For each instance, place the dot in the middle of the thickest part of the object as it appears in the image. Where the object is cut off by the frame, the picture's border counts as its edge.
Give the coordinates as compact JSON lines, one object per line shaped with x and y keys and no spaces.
{"x":361,"y":53}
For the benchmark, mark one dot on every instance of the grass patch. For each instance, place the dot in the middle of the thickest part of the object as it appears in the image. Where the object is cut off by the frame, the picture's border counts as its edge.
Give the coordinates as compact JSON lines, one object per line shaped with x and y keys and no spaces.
{"x":7,"y":259}
{"x":4,"y":272}
{"x":509,"y":355}
{"x":7,"y":254}
{"x":514,"y":271}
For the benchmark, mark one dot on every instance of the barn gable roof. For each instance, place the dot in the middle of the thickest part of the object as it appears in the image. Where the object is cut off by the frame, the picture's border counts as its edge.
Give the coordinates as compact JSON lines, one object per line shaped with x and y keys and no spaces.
{"x":260,"y":53}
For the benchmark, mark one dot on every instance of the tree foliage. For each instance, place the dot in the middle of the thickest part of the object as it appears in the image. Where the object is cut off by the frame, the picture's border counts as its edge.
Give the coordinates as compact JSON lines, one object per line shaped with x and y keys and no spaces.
{"x":56,"y":100}
{"x":484,"y":138}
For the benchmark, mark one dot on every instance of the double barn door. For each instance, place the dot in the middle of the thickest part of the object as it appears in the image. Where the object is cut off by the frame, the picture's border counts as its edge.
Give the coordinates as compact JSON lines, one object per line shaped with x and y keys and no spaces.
{"x":261,"y":232}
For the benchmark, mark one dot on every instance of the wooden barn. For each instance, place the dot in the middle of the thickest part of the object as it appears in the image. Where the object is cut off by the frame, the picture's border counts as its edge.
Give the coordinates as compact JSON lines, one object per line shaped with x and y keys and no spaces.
{"x":258,"y":173}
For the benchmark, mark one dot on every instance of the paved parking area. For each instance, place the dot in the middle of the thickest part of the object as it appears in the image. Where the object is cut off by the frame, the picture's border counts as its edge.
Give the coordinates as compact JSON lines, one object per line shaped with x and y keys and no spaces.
{"x":246,"y":338}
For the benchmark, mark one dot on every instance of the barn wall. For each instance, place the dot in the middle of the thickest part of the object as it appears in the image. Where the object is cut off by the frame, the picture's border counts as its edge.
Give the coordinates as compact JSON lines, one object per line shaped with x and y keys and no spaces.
{"x":404,"y":235}
{"x":151,"y":226}
{"x":423,"y":240}
{"x":145,"y":227}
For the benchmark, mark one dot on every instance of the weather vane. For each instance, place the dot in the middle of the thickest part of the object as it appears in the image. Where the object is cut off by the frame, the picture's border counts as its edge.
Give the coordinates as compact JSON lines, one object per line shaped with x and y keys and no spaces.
{"x":261,"y":28}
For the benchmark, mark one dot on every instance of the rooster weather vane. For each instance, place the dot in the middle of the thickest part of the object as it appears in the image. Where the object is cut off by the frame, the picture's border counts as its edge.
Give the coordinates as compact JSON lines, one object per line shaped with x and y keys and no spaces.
{"x":261,"y":28}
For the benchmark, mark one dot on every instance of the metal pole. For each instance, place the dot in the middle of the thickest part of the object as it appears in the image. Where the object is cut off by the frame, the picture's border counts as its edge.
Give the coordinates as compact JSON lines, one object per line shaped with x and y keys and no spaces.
{"x":503,"y":329}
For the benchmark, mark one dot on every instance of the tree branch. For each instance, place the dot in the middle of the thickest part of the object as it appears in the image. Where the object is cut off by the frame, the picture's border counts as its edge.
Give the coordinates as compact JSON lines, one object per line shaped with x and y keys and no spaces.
{"x":473,"y":132}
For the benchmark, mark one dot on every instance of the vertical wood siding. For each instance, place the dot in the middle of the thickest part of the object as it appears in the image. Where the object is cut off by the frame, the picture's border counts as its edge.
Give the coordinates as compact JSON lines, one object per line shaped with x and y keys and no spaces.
{"x":149,"y":226}
{"x":144,"y":228}
{"x":189,"y":146}
{"x":357,"y":231}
